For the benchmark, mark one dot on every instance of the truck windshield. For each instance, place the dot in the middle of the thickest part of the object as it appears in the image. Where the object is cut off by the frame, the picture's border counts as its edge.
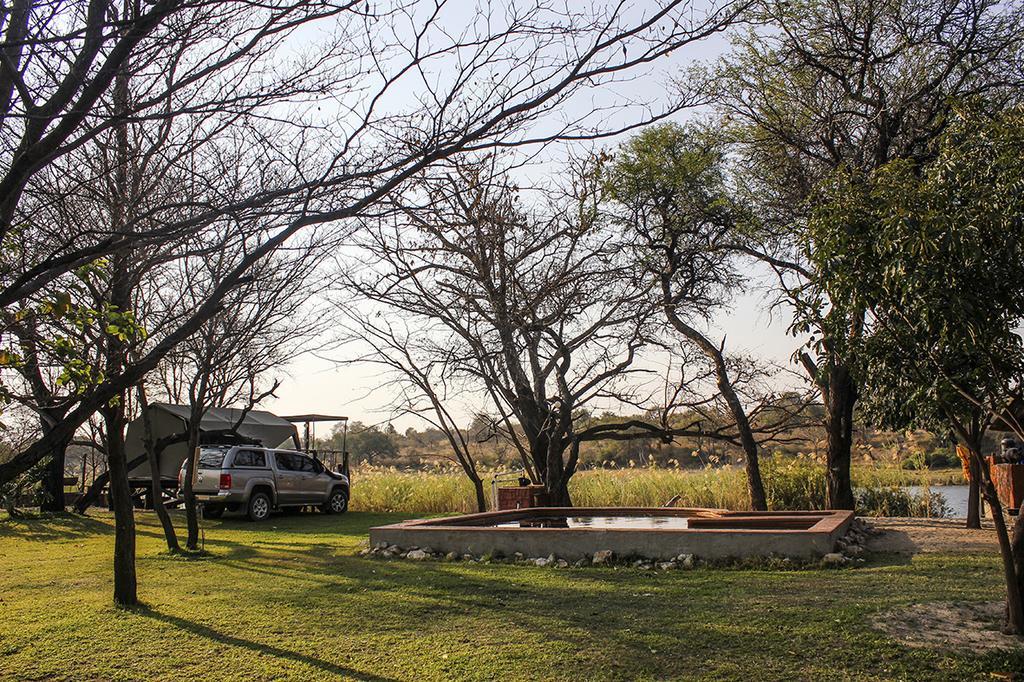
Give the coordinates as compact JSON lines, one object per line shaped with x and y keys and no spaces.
{"x":211,"y":458}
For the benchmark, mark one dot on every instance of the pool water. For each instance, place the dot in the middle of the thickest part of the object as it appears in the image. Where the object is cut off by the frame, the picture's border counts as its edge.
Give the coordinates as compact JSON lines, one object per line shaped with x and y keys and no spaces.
{"x":617,"y":522}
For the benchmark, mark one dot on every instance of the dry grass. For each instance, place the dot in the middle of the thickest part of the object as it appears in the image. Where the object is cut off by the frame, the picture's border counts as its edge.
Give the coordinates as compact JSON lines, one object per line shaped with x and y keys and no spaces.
{"x":790,"y":482}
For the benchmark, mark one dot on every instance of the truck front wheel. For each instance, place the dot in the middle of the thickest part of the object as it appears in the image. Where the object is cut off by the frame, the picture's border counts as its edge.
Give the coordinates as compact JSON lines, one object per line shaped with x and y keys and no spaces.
{"x":259,"y":507}
{"x":337,"y":502}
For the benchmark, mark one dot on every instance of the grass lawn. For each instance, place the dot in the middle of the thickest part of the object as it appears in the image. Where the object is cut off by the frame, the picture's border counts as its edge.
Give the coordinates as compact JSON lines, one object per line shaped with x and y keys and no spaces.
{"x":290,"y":600}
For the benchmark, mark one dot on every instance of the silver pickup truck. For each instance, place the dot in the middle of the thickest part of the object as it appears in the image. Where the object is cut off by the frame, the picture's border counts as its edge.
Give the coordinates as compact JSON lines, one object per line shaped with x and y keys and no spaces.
{"x":258,"y":480}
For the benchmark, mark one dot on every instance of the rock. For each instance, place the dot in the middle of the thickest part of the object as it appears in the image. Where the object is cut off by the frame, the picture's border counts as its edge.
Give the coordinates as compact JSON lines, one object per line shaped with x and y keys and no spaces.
{"x":561,"y":563}
{"x":666,"y":565}
{"x":685,"y":560}
{"x":539,"y":561}
{"x":395,"y":549}
{"x":451,"y":556}
{"x":603,"y":556}
{"x":381,"y":546}
{"x":518,"y":556}
{"x":854,"y":551}
{"x":579,"y":563}
{"x":365,"y":552}
{"x":833,"y":559}
{"x":417,"y":555}
{"x":467,"y":557}
{"x":428,"y":550}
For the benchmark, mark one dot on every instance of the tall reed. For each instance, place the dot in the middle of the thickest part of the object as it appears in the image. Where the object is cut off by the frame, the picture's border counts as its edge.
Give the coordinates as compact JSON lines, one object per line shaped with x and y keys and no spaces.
{"x":790,"y":483}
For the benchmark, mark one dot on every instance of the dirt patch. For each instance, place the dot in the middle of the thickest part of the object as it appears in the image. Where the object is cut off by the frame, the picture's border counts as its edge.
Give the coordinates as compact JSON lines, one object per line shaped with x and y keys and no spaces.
{"x":965,"y":626}
{"x":916,"y":536}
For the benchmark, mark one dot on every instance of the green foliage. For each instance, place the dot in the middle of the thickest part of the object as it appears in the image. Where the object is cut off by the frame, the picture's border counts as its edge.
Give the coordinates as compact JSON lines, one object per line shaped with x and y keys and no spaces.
{"x":366,"y":443}
{"x":65,"y":327}
{"x":937,"y":255}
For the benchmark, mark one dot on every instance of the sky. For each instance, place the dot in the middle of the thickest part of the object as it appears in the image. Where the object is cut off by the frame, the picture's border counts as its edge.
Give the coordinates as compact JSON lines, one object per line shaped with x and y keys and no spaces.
{"x":324,"y":385}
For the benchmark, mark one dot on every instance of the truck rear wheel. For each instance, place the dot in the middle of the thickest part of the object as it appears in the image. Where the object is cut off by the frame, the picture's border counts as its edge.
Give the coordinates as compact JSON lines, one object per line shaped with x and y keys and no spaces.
{"x":259,"y":507}
{"x":337,"y":502}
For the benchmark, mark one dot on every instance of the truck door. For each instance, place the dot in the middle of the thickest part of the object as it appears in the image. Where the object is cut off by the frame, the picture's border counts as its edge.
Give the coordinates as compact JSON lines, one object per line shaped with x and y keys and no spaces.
{"x":312,"y":488}
{"x":289,"y":478}
{"x":319,"y":481}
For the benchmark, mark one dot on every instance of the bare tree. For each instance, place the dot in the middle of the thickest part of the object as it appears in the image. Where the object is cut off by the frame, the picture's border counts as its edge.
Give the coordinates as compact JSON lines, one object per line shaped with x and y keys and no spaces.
{"x":540,"y":305}
{"x":424,"y":383}
{"x":262,"y":325}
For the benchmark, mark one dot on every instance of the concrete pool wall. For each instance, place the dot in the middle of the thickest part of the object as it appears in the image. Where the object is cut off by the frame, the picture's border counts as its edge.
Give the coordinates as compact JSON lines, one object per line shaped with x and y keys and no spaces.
{"x":711,"y":533}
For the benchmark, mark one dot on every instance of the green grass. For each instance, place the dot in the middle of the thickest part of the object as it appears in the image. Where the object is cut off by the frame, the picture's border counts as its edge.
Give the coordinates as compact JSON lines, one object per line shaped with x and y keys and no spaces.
{"x":289,"y":599}
{"x":790,"y":482}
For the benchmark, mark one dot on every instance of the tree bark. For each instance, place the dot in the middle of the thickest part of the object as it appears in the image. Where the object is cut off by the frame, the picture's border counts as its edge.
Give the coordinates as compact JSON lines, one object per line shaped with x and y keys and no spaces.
{"x":840,"y":400}
{"x":191,"y":515}
{"x":481,"y":498}
{"x":974,"y":490}
{"x":125,"y":583}
{"x":1012,"y":553}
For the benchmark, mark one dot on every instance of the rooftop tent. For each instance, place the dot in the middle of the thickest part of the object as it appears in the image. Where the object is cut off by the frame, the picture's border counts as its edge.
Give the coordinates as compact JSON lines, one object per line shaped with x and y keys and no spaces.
{"x":170,"y":420}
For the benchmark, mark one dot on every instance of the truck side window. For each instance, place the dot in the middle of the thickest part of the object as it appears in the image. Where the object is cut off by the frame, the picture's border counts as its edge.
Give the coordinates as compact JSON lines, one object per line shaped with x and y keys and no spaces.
{"x":305,"y":464}
{"x":250,"y":458}
{"x":285,"y":462}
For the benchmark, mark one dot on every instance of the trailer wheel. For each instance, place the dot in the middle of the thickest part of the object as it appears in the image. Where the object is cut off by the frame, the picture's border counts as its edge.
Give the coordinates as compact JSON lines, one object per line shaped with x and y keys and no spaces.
{"x":259,"y":507}
{"x":337,"y":502}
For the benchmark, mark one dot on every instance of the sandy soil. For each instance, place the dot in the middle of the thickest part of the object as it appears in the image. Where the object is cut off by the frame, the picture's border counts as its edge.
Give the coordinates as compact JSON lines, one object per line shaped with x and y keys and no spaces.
{"x":914,"y":536}
{"x":958,"y":625}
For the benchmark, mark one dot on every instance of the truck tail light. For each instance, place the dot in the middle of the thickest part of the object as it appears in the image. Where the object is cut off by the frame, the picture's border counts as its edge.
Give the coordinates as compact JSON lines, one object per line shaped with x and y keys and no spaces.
{"x":225,"y":481}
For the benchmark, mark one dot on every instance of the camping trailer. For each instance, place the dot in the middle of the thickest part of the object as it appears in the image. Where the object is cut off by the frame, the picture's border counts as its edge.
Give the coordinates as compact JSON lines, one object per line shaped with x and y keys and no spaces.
{"x":169,"y":421}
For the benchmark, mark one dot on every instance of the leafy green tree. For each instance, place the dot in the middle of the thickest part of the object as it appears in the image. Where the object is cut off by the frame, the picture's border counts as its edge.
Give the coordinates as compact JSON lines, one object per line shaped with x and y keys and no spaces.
{"x":669,"y":185}
{"x":935,"y":256}
{"x":821,"y":85}
{"x":368,"y":443}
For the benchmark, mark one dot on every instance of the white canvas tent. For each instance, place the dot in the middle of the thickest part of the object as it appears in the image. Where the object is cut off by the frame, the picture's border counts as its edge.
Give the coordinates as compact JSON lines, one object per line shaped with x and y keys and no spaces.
{"x":170,"y":420}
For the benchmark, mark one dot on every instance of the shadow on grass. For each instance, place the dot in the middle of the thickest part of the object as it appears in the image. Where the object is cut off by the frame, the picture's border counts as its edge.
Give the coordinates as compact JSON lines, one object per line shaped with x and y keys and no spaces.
{"x":231,"y":640}
{"x":49,"y":527}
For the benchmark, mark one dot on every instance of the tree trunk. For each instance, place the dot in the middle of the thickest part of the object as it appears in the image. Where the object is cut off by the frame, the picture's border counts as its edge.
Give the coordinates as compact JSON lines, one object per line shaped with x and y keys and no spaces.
{"x":53,"y":483}
{"x":1017,"y":552}
{"x":481,"y":498}
{"x":125,"y":584}
{"x":755,"y":486}
{"x":841,"y":398}
{"x":974,"y":491}
{"x":1012,"y":553}
{"x":191,"y":515}
{"x":156,"y":488}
